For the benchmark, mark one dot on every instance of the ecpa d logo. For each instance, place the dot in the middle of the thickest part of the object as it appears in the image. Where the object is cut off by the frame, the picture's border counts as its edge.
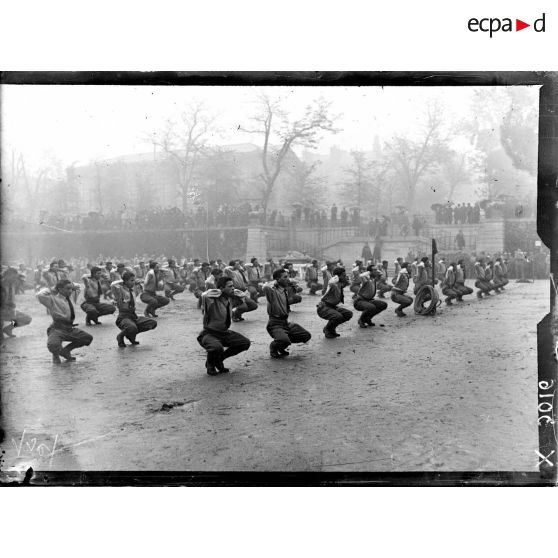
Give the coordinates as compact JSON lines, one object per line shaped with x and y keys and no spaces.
{"x":492,"y":25}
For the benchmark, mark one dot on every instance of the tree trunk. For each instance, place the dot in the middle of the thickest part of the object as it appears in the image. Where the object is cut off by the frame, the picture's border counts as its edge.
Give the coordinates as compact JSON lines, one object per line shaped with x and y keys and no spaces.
{"x":265,"y":198}
{"x":264,"y":205}
{"x":411,"y":196}
{"x":184,"y":198}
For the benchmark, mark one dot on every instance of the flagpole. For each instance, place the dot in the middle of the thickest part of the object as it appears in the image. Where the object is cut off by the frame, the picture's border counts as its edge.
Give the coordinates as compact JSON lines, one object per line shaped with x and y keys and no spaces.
{"x":207,"y":230}
{"x":434,"y":251}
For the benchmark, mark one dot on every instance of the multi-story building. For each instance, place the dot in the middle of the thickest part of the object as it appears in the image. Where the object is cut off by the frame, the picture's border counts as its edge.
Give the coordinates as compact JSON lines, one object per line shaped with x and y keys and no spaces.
{"x":131,"y":183}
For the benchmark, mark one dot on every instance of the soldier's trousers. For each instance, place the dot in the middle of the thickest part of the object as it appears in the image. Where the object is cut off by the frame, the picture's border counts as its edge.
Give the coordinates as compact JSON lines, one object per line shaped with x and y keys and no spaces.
{"x":215,"y":342}
{"x":314,"y":286}
{"x":57,"y":335}
{"x":401,"y":299}
{"x":132,"y":326}
{"x":334,"y":314}
{"x":369,"y":308}
{"x":285,"y":333}
{"x":153,"y":301}
{"x":450,"y":292}
{"x":462,"y":289}
{"x":95,"y":309}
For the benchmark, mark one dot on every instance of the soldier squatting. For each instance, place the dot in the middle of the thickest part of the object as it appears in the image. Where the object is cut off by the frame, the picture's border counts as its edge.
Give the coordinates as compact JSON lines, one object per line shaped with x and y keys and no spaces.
{"x":226,"y":293}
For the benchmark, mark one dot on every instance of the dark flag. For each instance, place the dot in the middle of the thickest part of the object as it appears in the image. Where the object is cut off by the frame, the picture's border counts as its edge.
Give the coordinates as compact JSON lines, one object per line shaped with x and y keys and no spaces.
{"x":434,"y":251}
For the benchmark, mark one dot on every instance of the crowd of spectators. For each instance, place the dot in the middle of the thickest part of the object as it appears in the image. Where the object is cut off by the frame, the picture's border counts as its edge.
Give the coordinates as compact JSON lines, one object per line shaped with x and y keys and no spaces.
{"x":301,"y":216}
{"x":156,"y":218}
{"x":310,"y":217}
{"x":461,"y":214}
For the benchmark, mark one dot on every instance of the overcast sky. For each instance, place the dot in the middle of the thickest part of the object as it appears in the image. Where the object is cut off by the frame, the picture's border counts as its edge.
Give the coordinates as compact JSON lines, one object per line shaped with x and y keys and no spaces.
{"x":77,"y":123}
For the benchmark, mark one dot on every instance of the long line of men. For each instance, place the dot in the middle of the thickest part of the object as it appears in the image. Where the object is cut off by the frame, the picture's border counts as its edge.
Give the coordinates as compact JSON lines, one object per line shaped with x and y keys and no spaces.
{"x":225,"y":293}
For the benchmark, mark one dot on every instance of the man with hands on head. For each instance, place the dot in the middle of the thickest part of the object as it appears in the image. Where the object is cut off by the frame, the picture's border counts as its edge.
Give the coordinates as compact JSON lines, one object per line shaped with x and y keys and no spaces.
{"x":60,"y":307}
{"x":128,"y":321}
{"x":278,"y":309}
{"x":216,"y":335}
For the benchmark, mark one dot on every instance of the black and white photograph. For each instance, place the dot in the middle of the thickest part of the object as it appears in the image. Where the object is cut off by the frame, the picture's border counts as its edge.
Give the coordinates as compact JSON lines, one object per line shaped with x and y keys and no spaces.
{"x":286,"y":278}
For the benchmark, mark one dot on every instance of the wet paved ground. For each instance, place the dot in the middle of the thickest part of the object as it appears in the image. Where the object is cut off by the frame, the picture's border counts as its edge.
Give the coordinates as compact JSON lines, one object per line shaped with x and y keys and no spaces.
{"x":454,"y":392}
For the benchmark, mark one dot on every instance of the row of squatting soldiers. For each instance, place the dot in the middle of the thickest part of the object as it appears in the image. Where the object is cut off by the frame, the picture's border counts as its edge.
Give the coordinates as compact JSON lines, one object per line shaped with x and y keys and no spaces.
{"x":221,"y":343}
{"x":123,"y":289}
{"x":226,"y":293}
{"x":124,"y":285}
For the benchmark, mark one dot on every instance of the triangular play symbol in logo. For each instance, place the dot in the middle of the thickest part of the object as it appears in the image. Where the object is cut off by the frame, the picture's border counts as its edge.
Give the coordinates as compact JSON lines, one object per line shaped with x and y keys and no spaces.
{"x":519,"y":25}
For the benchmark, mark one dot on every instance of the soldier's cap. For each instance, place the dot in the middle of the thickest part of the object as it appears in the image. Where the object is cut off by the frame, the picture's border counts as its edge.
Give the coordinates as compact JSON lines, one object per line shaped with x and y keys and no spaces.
{"x":120,"y":265}
{"x":314,"y":261}
{"x":358,"y":262}
{"x":205,"y":264}
{"x":94,"y":270}
{"x":61,"y":263}
{"x":108,"y":263}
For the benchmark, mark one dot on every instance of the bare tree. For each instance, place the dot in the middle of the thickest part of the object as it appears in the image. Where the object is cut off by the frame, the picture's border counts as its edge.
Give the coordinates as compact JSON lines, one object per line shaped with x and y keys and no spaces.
{"x":411,"y":159}
{"x":455,"y":171}
{"x":274,"y":124}
{"x":183,"y":142}
{"x":359,"y":186}
{"x":307,"y":184}
{"x":519,"y":133}
{"x":32,"y":181}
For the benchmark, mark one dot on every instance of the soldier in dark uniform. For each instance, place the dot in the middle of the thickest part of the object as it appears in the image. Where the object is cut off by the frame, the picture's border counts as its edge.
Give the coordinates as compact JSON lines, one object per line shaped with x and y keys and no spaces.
{"x":61,"y":309}
{"x":364,"y":300}
{"x":399,"y":289}
{"x":329,"y":308}
{"x":8,"y":312}
{"x":311,"y":278}
{"x":128,"y":321}
{"x":255,"y":279}
{"x":448,"y":284}
{"x":153,"y":283}
{"x":327,"y":270}
{"x":293,"y":290}
{"x":382,"y":282}
{"x":500,"y":278}
{"x":460,"y":276}
{"x":216,"y":335}
{"x":173,"y":280}
{"x":241,"y":300}
{"x":278,"y":309}
{"x":92,"y":305}
{"x":356,"y":279}
{"x":482,"y":285}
